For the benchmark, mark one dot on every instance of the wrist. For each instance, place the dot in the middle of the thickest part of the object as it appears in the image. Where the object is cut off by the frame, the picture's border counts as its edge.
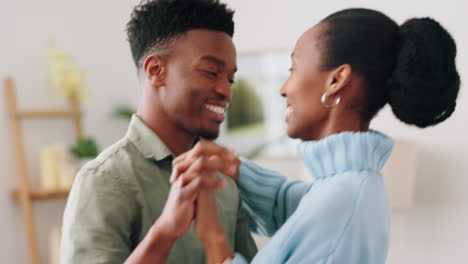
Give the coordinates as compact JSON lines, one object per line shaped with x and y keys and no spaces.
{"x":160,"y":238}
{"x":154,"y":248}
{"x":213,"y":239}
{"x":218,"y":250}
{"x":215,"y":235}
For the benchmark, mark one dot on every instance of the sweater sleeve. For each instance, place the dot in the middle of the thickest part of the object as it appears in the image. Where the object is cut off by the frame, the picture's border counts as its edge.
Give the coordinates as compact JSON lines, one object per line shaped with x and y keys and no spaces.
{"x":267,"y":198}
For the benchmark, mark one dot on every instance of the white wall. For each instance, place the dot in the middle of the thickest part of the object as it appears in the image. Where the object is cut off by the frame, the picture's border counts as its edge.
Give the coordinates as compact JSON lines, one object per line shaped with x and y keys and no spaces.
{"x":93,"y":31}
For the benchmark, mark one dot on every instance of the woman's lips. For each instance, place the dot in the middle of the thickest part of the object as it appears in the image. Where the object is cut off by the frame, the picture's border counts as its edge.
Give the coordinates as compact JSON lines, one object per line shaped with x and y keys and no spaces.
{"x":289,"y":111}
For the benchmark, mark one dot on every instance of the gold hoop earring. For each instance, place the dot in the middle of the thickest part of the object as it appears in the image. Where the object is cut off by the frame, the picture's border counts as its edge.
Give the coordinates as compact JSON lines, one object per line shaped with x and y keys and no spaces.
{"x":324,"y":100}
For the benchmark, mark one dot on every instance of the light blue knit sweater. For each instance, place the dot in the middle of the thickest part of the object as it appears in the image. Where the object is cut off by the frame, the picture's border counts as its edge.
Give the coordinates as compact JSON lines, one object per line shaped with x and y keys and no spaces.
{"x":342,"y":217}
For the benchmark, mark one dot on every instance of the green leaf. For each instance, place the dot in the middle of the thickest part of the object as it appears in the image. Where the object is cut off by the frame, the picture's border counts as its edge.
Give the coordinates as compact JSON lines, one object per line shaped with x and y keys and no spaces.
{"x":85,"y":148}
{"x":125,"y":112}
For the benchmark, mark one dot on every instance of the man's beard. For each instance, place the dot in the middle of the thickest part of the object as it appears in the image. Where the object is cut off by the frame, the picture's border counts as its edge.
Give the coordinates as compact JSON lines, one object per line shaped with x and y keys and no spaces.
{"x":208,"y":135}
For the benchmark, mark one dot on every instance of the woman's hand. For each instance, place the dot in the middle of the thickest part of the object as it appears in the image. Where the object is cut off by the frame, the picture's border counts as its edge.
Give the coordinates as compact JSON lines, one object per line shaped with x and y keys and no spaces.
{"x":179,"y":212}
{"x":229,"y":166}
{"x":204,"y":160}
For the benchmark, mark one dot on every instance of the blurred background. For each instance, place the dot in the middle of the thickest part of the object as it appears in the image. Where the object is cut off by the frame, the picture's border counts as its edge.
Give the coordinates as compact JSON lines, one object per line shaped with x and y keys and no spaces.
{"x":427,"y":175}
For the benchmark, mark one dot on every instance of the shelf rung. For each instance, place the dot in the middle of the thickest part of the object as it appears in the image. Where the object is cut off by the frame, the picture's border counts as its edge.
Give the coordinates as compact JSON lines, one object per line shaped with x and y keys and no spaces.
{"x":37,"y":194}
{"x":47,"y":113}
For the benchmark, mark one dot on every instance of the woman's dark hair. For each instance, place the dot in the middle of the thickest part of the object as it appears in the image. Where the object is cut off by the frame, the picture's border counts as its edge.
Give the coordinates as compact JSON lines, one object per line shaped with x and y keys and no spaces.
{"x":154,"y":23}
{"x":412,"y":66}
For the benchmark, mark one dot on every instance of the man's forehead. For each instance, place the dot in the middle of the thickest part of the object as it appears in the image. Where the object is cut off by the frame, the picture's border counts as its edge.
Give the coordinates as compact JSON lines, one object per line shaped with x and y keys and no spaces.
{"x":206,"y":46}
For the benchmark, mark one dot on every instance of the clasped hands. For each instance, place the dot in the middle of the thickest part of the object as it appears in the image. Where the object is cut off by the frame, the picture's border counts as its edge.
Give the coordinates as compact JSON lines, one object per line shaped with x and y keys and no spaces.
{"x":192,"y":197}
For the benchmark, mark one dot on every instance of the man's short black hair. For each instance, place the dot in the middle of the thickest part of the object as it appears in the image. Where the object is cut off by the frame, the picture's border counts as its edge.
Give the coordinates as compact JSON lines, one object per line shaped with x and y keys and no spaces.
{"x":154,"y":23}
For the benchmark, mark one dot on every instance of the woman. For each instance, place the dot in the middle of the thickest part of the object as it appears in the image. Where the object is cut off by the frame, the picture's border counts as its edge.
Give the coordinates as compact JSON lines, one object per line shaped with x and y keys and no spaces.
{"x":344,"y":70}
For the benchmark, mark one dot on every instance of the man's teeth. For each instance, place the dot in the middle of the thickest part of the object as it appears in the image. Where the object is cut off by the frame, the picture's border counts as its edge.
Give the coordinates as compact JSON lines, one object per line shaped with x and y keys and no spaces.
{"x":289,"y":109}
{"x":217,"y":109}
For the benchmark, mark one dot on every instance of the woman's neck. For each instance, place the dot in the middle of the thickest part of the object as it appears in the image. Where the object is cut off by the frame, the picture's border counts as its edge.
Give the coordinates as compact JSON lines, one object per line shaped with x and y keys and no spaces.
{"x":341,"y":121}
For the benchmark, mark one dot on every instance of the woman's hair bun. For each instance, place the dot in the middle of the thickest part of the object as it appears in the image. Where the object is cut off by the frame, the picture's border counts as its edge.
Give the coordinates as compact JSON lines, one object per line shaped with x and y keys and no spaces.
{"x":424,"y":85}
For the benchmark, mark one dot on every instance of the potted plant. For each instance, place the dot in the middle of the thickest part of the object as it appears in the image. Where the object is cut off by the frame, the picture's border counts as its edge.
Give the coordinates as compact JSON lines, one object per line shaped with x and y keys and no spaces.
{"x":84,"y":150}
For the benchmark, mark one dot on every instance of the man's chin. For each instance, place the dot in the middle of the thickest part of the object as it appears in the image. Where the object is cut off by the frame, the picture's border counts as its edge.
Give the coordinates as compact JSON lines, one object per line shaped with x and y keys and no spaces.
{"x":209,"y":135}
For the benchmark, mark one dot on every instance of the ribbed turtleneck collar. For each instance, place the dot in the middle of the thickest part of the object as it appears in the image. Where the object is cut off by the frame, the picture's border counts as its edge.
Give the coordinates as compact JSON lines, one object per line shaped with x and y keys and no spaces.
{"x":346,"y":151}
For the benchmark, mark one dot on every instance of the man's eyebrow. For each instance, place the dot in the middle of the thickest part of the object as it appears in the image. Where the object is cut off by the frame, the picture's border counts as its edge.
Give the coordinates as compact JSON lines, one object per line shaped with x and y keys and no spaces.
{"x":216,"y":61}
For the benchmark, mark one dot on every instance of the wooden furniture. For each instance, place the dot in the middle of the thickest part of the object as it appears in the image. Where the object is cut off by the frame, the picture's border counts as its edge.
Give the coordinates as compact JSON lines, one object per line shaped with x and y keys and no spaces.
{"x":400,"y":174}
{"x":26,"y":194}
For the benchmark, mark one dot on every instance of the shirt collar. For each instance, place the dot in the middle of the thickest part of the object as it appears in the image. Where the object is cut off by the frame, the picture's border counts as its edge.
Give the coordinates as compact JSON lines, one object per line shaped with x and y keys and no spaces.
{"x":146,"y":140}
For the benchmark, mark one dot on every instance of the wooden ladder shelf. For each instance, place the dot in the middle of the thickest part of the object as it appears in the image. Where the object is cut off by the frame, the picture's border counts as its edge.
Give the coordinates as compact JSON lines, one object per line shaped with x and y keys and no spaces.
{"x":25,"y":193}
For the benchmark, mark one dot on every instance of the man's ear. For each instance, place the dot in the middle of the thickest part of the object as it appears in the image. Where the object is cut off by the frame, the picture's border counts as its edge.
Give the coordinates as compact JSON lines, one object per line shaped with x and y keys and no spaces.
{"x":155,"y":70}
{"x":338,"y":79}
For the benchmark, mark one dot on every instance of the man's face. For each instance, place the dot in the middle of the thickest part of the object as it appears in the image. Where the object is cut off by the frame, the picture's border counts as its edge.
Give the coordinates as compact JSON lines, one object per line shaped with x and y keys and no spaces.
{"x":199,"y":74}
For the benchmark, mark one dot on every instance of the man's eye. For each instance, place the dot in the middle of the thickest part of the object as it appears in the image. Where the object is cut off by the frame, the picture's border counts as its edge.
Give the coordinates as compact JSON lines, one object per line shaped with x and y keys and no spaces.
{"x":213,"y":74}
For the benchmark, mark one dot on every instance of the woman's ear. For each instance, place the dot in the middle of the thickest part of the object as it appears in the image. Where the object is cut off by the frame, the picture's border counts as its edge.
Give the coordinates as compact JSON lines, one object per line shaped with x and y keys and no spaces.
{"x":338,"y":79}
{"x":155,"y":70}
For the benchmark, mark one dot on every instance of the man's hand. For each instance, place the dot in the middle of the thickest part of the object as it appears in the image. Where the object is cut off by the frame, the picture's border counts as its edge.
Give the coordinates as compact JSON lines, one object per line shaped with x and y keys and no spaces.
{"x":228,"y":163}
{"x":179,"y":210}
{"x":178,"y":213}
{"x":202,"y":161}
{"x":192,"y":181}
{"x":208,"y":225}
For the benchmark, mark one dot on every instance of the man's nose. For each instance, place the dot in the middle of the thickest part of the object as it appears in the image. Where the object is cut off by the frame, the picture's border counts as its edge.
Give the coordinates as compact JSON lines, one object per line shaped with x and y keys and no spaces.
{"x":224,"y":87}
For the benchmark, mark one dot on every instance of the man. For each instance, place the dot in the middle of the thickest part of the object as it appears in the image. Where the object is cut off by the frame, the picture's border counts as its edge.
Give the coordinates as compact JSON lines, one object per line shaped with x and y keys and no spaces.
{"x":122,"y":207}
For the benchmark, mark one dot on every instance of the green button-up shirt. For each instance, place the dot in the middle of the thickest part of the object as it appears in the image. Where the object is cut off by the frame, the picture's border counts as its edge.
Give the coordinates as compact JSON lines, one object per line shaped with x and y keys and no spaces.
{"x":117,"y":197}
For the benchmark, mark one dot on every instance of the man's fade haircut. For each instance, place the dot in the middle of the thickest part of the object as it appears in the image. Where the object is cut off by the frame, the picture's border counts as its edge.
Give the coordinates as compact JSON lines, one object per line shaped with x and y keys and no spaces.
{"x":155,"y":23}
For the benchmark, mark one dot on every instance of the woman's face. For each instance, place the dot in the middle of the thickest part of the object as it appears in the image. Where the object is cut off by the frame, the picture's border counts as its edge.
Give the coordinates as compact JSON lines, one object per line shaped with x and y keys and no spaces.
{"x":305,"y":114}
